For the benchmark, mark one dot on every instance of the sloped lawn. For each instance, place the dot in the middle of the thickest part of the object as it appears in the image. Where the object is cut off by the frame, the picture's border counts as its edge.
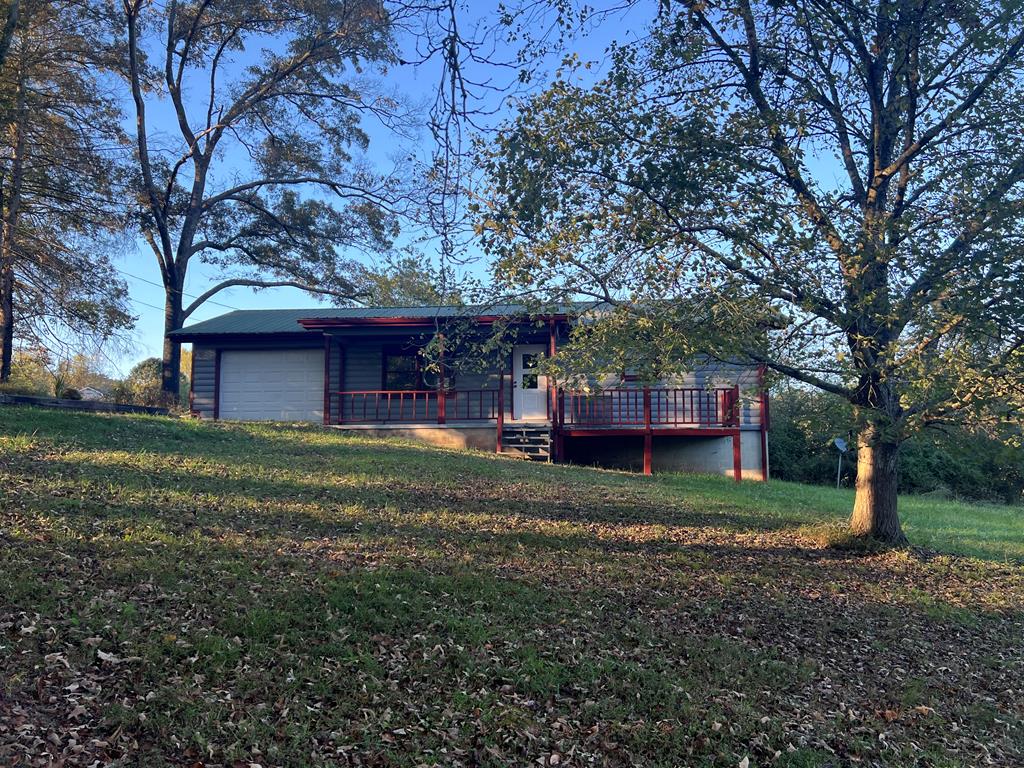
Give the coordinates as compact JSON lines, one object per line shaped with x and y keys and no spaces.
{"x":180,"y":593}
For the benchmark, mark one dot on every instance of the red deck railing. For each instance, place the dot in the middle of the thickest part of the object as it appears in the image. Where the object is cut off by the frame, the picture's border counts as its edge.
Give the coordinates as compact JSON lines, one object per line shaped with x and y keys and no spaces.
{"x":649,"y":408}
{"x":624,"y":408}
{"x":389,"y":406}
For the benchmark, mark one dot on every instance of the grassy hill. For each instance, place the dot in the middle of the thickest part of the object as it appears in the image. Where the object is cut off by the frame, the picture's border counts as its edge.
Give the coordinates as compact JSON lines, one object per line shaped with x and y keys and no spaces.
{"x":181,"y":593}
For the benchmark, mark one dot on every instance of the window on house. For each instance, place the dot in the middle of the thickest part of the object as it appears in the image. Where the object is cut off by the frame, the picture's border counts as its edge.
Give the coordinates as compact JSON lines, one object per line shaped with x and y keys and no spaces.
{"x":402,"y":370}
{"x":530,"y":374}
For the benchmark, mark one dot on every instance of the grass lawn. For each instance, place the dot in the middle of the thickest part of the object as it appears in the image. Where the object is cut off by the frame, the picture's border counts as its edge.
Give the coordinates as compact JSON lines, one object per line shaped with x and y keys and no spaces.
{"x":195,"y":594}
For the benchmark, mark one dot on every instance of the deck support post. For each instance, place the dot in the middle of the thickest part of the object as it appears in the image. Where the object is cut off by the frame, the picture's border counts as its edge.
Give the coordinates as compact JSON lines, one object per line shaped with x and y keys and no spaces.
{"x":764,"y":424}
{"x":327,"y":379}
{"x":559,"y":422}
{"x":648,"y":434}
{"x":737,"y":456}
{"x":552,"y":333}
{"x":501,"y":411}
{"x":442,"y":415}
{"x":341,"y":383}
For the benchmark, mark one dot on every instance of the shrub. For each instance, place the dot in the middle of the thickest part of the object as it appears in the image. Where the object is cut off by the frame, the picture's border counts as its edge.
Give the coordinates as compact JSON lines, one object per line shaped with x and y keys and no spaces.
{"x":959,"y":462}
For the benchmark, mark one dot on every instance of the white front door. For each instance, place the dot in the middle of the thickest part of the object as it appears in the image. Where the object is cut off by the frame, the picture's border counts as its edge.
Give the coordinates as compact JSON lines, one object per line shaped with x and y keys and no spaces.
{"x":529,"y":386}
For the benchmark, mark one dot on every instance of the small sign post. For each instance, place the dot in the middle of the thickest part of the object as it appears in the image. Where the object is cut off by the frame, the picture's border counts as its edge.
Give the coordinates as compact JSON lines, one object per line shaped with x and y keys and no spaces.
{"x":841,"y":446}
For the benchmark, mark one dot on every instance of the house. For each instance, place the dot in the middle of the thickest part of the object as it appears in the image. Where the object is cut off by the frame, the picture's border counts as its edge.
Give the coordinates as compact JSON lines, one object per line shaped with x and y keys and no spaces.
{"x":363,"y":369}
{"x":91,"y":393}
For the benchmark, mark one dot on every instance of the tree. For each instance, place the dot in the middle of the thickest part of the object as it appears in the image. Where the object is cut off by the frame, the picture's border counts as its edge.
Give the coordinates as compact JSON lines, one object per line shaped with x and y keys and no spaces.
{"x":57,"y":182}
{"x":40,"y":371}
{"x":261,"y":176}
{"x":408,"y":281}
{"x":849,"y":174}
{"x":143,"y":385}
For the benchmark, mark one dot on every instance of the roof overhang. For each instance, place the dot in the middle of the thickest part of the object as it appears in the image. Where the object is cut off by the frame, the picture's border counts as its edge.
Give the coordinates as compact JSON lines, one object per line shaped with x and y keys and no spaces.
{"x":183,"y":335}
{"x":326,"y":323}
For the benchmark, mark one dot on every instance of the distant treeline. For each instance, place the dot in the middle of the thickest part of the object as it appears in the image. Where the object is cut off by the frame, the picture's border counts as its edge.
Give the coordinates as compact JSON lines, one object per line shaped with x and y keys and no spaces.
{"x":955,"y":462}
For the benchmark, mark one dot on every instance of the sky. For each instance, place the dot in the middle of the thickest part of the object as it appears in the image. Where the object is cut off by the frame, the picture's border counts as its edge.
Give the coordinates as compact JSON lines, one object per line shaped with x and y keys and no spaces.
{"x":138,"y":266}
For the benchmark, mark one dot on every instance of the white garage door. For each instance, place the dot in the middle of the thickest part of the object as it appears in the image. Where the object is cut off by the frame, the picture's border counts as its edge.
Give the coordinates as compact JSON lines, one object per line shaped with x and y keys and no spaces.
{"x":272,"y":385}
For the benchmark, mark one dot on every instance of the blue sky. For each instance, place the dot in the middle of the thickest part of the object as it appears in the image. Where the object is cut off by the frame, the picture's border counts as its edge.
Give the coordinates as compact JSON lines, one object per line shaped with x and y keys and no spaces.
{"x":138,"y":265}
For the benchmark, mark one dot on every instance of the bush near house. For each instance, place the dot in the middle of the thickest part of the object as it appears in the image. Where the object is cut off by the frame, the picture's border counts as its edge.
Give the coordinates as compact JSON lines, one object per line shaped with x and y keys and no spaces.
{"x":142,"y":386}
{"x":181,"y":593}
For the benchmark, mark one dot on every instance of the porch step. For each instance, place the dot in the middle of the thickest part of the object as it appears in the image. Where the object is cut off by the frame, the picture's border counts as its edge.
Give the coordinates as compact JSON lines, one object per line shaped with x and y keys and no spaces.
{"x":529,"y":441}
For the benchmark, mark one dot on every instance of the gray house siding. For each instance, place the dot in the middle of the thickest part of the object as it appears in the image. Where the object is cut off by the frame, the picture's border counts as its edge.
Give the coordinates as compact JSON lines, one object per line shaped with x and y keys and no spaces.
{"x":204,"y":380}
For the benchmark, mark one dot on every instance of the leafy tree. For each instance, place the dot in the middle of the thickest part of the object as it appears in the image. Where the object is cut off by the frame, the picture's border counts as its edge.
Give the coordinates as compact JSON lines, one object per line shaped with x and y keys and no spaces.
{"x":261,"y":174}
{"x":849,"y":174}
{"x":408,"y":281}
{"x":143,"y":385}
{"x":57,"y":181}
{"x":39,"y":371}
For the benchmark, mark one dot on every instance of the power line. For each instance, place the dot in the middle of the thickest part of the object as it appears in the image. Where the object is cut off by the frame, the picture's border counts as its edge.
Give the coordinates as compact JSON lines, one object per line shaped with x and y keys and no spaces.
{"x":151,"y":306}
{"x":160,"y":285}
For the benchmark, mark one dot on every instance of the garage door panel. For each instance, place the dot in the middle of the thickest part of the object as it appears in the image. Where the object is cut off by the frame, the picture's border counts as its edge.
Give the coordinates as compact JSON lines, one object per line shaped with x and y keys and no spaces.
{"x":272,"y":385}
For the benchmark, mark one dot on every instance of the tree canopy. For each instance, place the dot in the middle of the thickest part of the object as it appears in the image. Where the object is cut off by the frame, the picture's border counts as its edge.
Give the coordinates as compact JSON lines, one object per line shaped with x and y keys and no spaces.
{"x":59,"y":180}
{"x":850,"y":175}
{"x":265,"y":176}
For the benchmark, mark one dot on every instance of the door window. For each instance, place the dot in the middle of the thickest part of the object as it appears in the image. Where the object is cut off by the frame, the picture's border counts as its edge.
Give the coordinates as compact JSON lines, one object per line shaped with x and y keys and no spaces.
{"x":531,"y":380}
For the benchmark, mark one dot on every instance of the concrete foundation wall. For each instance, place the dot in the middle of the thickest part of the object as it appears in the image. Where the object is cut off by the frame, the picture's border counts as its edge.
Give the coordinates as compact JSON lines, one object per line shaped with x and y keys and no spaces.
{"x":480,"y":438}
{"x":706,"y":455}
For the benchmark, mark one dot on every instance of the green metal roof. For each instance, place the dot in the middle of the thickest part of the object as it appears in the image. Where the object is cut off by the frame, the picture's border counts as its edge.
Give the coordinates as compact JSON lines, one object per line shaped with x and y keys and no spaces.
{"x":276,"y":321}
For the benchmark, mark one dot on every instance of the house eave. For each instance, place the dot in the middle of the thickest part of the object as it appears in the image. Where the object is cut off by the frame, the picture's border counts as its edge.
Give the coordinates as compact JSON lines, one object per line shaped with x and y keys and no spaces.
{"x":325,"y":323}
{"x":185,"y":336}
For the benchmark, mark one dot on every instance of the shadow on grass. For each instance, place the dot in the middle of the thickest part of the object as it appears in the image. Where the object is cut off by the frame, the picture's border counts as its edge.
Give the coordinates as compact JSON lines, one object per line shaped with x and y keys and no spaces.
{"x":293,"y":567}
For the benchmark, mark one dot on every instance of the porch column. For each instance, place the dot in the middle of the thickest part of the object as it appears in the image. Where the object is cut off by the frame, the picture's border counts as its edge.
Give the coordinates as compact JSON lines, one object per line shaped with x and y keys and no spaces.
{"x":327,"y":379}
{"x":501,"y":411}
{"x":764,"y":424}
{"x":737,"y":457}
{"x":648,"y":433}
{"x":341,"y":383}
{"x":552,"y":402}
{"x":442,"y":415}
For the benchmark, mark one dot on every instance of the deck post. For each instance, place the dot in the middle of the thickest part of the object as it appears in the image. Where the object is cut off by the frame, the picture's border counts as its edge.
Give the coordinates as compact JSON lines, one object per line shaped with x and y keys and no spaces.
{"x":737,"y":457}
{"x":441,"y":398}
{"x":648,"y":434}
{"x":341,"y":383}
{"x":764,"y":425}
{"x":501,"y":411}
{"x":327,"y":379}
{"x":559,"y":423}
{"x":552,"y":403}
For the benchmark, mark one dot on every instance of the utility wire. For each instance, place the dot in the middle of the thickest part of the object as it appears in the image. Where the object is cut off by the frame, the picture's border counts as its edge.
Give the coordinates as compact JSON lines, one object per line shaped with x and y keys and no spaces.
{"x":160,"y":285}
{"x":151,"y":306}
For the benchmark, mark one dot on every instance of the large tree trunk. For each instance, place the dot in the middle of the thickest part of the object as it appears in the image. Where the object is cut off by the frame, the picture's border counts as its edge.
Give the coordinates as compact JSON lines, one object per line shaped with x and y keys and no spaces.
{"x":6,"y":320}
{"x":11,"y":210}
{"x":874,"y":508}
{"x":170,"y":369}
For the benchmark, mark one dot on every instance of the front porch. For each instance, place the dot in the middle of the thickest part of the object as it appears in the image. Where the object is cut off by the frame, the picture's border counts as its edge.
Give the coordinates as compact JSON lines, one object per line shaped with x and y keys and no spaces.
{"x":644,"y":412}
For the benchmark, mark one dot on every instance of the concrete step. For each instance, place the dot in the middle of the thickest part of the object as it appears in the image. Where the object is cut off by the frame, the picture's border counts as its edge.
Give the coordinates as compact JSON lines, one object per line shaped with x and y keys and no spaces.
{"x":540,"y":455}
